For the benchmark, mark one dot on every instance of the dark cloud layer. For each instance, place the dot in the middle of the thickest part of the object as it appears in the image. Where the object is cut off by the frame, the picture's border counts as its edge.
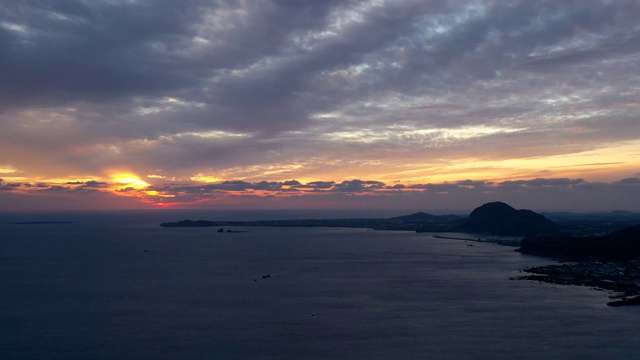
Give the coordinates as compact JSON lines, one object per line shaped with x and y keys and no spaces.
{"x":241,"y":95}
{"x":539,"y":194}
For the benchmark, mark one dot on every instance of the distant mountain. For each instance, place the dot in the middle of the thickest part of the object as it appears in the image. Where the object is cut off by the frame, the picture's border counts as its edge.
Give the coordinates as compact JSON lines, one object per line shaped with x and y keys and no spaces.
{"x":624,"y":213}
{"x":424,"y":222}
{"x":618,"y":245}
{"x":495,"y":218}
{"x":498,"y":218}
{"x":420,"y":222}
{"x":417,"y":217}
{"x":593,"y":223}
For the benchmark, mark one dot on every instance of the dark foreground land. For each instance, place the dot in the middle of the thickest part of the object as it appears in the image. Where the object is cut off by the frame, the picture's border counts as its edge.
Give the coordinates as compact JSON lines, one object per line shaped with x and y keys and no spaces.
{"x":623,"y":244}
{"x":610,"y":262}
{"x":621,"y":277}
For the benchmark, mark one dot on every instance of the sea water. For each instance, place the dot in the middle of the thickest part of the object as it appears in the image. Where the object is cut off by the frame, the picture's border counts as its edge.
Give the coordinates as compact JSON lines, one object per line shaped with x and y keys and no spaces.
{"x":118,"y":286}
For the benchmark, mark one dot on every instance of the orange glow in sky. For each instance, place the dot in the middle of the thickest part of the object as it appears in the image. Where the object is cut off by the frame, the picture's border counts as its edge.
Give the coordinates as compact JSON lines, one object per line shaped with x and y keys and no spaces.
{"x":435,"y":111}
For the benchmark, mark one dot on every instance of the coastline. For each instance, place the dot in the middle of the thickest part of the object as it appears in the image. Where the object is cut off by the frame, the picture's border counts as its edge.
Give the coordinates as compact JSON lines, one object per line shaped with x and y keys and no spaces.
{"x":622,"y":278}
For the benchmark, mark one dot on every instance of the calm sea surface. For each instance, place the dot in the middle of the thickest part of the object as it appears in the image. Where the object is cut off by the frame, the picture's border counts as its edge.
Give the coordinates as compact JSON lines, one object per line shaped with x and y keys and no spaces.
{"x":118,"y":286}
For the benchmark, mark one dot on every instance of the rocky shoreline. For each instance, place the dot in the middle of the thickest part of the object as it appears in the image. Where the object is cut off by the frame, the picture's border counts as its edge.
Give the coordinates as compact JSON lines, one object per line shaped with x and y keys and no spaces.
{"x":621,"y":277}
{"x":609,"y":262}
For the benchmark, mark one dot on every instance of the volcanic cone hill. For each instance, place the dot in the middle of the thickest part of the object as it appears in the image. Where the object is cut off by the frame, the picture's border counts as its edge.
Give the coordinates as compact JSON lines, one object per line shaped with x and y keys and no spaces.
{"x":498,"y":218}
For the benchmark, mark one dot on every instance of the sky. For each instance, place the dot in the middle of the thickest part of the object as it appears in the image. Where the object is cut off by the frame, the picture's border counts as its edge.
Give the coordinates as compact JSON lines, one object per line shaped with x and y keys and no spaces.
{"x":396,"y":104}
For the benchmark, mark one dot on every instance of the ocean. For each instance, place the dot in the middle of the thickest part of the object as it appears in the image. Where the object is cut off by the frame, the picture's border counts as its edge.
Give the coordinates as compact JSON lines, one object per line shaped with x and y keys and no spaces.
{"x":115,"y":285}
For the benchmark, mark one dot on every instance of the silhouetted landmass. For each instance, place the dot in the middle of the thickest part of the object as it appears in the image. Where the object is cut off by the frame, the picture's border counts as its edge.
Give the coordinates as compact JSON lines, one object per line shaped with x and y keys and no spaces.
{"x":495,"y":218}
{"x":191,"y":223}
{"x":625,"y":302}
{"x":608,"y":262}
{"x":618,"y":276}
{"x":415,"y":222}
{"x":501,"y":219}
{"x":40,"y":222}
{"x":618,"y":245}
{"x":423,"y":222}
{"x":594,"y":223}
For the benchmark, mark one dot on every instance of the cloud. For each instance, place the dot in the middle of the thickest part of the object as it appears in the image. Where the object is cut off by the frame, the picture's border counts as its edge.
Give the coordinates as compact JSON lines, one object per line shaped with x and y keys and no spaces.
{"x":320,"y":184}
{"x":540,"y":193}
{"x":563,"y":182}
{"x":463,"y":195}
{"x":272,"y":90}
{"x":358,"y":186}
{"x":293,"y":183}
{"x":629,"y":181}
{"x":4,"y":186}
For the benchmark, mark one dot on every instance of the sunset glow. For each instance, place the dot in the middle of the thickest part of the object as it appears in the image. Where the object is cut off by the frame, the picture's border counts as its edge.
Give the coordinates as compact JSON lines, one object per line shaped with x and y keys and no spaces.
{"x":130,"y":182}
{"x":396,"y":104}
